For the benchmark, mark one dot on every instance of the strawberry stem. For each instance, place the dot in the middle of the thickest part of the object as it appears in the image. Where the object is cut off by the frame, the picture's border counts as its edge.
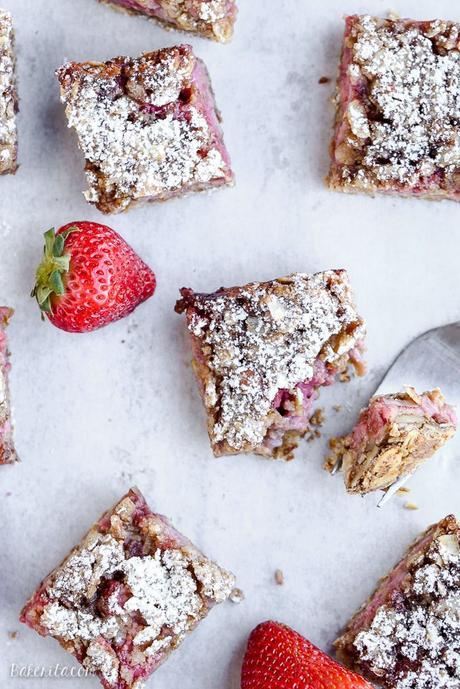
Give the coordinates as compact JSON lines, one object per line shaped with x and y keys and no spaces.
{"x":54,"y":265}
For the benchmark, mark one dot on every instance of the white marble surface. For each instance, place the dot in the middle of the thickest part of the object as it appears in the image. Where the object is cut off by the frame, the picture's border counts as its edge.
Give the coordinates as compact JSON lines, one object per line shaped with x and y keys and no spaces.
{"x":97,"y":413}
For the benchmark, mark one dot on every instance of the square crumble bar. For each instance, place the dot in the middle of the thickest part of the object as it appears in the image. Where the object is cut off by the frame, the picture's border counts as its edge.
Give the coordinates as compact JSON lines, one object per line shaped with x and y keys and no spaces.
{"x":406,"y":635}
{"x":394,"y":436}
{"x":7,"y":451}
{"x":211,"y":18}
{"x":127,"y":595}
{"x":262,"y":351}
{"x":149,"y":127}
{"x":398,"y":109}
{"x":8,"y":96}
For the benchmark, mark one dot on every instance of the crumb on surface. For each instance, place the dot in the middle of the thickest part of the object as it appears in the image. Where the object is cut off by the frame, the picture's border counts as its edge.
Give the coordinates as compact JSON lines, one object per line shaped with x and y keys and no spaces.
{"x":237,"y":596}
{"x":324,"y":80}
{"x":411,"y":506}
{"x":403,"y":491}
{"x":279,"y":577}
{"x":318,"y":417}
{"x":13,"y":635}
{"x":312,"y":435}
{"x":345,"y":377}
{"x":337,"y":407}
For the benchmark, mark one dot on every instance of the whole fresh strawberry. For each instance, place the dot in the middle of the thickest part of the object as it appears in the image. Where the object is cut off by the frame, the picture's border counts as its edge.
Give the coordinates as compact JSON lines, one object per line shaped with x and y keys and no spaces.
{"x":279,"y":658}
{"x":89,"y":277}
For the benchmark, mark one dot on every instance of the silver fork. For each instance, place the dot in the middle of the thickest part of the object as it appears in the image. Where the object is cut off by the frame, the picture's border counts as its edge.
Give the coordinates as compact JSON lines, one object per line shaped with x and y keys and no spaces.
{"x":430,"y":361}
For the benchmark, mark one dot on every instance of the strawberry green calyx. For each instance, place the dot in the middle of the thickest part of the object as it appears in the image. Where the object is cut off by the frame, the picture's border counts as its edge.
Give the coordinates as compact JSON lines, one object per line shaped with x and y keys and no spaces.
{"x":54,"y":265}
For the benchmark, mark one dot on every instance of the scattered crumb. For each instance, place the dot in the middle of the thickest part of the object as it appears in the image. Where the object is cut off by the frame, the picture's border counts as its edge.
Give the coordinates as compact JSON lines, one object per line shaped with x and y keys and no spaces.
{"x":345,"y":377}
{"x":411,"y":506}
{"x":337,"y":407}
{"x":403,"y":491}
{"x":279,"y":577}
{"x":318,"y":418}
{"x":313,"y":435}
{"x":324,"y":80}
{"x":237,"y":596}
{"x":13,"y":635}
{"x":392,"y":14}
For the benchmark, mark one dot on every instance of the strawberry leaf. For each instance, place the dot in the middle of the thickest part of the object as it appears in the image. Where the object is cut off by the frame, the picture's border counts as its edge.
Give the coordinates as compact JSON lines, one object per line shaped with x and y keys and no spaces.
{"x":55,"y":265}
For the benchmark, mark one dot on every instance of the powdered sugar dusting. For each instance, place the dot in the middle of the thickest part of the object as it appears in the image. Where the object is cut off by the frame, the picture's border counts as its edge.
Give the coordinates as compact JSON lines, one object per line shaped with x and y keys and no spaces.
{"x":163,"y":591}
{"x":8,"y":132}
{"x":415,"y":644}
{"x":139,"y":139}
{"x":405,"y":117}
{"x":212,"y":10}
{"x":265,"y":337}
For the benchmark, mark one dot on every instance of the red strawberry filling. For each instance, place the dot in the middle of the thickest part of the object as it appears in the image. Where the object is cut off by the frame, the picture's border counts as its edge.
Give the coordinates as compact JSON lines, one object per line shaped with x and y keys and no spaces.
{"x":294,"y":407}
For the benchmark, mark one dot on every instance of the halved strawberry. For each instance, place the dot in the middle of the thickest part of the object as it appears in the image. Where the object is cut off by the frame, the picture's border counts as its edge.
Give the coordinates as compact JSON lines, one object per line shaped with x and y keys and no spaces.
{"x":277,"y":657}
{"x":89,"y":277}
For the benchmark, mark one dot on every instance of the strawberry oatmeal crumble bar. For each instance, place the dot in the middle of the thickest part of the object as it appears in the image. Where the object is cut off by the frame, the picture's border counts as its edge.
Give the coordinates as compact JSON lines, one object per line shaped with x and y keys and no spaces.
{"x":149,"y":127}
{"x":394,"y":435}
{"x":398,"y":109}
{"x":262,"y":351}
{"x":211,"y":18}
{"x":127,"y":595}
{"x":8,"y":96}
{"x":7,"y":452}
{"x":406,"y":635}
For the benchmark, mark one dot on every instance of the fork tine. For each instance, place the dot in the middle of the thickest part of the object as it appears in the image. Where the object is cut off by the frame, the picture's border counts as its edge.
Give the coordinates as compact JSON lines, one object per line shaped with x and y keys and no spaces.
{"x":392,"y":490}
{"x":337,"y":466}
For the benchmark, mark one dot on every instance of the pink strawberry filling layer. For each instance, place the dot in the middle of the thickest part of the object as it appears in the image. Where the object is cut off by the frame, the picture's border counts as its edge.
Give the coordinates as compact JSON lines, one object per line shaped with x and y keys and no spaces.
{"x":373,"y":420}
{"x":295,"y":417}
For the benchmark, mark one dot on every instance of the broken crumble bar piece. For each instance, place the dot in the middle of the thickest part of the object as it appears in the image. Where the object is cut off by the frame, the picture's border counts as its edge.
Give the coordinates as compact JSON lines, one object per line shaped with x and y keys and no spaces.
{"x":406,"y":635}
{"x":398,"y":109}
{"x":394,"y":435}
{"x":127,"y":595}
{"x":8,"y":96}
{"x":148,"y":127}
{"x":7,"y":452}
{"x":211,"y":18}
{"x":262,"y":351}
